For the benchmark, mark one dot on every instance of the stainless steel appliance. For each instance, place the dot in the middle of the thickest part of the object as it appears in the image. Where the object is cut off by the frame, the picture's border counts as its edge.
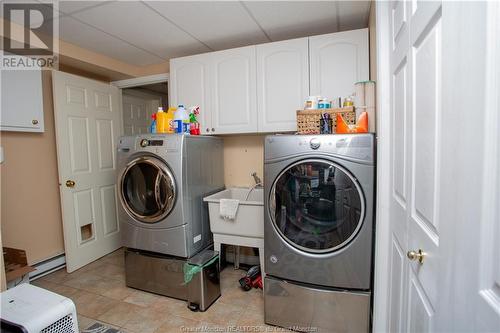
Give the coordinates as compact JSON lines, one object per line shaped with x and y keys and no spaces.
{"x":204,"y":288}
{"x":319,"y":223}
{"x":162,"y":182}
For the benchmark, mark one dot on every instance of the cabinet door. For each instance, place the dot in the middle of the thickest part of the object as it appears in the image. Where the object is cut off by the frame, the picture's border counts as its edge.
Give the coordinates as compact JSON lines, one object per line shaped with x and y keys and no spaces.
{"x":234,"y":91}
{"x":337,"y":62}
{"x":282,"y":83}
{"x":189,"y":85}
{"x":22,"y":101}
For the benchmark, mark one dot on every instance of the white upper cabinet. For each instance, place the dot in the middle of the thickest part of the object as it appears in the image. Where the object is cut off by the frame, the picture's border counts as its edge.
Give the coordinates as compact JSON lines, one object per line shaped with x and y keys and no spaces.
{"x":234,"y":91}
{"x":282,"y":83}
{"x":259,"y":88}
{"x":189,"y":85}
{"x":22,"y":101}
{"x":337,"y":61}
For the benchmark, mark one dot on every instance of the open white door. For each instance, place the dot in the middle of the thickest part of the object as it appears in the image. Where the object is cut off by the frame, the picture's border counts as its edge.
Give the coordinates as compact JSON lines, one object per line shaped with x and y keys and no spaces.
{"x":137,"y":112}
{"x":88,"y":125}
{"x":440,"y":152}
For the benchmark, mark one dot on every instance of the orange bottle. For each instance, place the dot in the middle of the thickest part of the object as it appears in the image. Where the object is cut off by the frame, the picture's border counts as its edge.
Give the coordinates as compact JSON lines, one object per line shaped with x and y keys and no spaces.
{"x":360,"y":127}
{"x":161,"y":121}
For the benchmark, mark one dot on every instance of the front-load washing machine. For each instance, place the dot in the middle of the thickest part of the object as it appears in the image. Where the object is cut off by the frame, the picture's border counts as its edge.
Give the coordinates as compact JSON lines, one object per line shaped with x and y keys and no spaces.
{"x":163,"y":219}
{"x":162,"y":182}
{"x":319,"y":226}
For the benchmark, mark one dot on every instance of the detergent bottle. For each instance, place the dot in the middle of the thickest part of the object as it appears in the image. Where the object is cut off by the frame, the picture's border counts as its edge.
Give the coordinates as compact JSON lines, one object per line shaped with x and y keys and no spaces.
{"x":170,"y":120}
{"x":152,"y":128}
{"x":181,"y":120}
{"x":161,"y":121}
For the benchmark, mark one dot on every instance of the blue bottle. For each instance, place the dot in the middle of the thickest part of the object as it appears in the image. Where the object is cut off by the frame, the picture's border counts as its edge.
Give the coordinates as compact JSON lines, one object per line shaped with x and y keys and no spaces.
{"x":152,"y":128}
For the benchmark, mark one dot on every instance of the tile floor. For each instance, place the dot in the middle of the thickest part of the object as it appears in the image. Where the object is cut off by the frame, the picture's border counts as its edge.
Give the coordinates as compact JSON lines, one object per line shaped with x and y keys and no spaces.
{"x":99,"y":293}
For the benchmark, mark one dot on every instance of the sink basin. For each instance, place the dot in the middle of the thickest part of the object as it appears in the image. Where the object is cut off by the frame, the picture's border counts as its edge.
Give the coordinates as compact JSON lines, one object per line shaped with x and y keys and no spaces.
{"x":249,"y":221}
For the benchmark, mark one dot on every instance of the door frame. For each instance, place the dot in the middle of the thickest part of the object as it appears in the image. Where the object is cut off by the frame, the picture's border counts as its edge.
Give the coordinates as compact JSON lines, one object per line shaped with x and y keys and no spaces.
{"x":141,"y":81}
{"x":382,"y":227}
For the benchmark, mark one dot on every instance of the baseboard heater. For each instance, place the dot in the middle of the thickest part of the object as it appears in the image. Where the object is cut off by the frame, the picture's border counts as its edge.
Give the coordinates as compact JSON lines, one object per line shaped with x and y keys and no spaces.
{"x":48,"y":266}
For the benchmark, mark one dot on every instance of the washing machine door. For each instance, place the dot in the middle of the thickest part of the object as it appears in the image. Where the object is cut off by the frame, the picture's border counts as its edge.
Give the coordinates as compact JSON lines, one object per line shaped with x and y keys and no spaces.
{"x":316,"y":206}
{"x":148,"y":191}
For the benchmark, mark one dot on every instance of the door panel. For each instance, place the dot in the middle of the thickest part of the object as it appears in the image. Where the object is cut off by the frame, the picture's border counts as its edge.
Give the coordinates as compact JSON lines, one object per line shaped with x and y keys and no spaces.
{"x":342,"y":56}
{"x":420,"y":311}
{"x":88,"y":124}
{"x":282,"y":83}
{"x":190,"y":86}
{"x":137,"y":113}
{"x":426,"y":114}
{"x":233,"y":78}
{"x":397,"y":273}
{"x":415,"y":145}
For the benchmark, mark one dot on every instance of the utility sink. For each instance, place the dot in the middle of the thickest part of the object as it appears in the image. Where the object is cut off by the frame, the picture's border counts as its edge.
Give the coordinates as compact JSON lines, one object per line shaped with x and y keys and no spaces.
{"x":249,"y":221}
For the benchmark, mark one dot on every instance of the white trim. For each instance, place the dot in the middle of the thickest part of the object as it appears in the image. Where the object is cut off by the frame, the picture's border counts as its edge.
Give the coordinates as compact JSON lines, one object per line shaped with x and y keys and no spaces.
{"x":141,"y":81}
{"x":382,"y":241}
{"x":48,"y":266}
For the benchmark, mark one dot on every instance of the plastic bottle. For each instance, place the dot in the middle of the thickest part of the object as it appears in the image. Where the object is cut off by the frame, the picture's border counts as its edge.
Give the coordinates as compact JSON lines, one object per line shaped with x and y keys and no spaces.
{"x":181,"y":120}
{"x":152,"y":128}
{"x":161,"y":121}
{"x":170,"y":120}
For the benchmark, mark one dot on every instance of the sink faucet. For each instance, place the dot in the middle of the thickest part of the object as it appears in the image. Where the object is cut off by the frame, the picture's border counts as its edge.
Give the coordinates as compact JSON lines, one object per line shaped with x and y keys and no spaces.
{"x":256,"y":179}
{"x":258,"y":183}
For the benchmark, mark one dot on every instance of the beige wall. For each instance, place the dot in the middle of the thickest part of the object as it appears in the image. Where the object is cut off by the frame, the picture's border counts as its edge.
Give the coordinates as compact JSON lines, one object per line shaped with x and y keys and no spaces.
{"x":30,"y":206}
{"x":243,"y":155}
{"x":372,"y":25}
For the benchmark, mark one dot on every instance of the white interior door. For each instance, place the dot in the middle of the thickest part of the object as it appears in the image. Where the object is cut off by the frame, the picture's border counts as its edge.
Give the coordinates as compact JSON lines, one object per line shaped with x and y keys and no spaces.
{"x":416,"y":70}
{"x":137,"y":112}
{"x":88,"y":125}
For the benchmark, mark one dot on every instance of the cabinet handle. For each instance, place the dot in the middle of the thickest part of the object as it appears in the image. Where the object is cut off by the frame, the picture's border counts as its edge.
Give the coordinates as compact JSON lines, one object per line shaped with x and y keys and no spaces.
{"x":208,"y":129}
{"x":213,"y":129}
{"x":34,"y":122}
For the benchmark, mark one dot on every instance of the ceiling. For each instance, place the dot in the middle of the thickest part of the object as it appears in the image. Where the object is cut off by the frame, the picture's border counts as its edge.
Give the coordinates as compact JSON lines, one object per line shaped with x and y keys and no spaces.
{"x":150,"y":32}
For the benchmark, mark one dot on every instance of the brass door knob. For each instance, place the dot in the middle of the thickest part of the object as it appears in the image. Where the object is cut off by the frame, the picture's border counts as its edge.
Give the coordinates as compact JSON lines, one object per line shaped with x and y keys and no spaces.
{"x":70,"y":183}
{"x":416,"y":256}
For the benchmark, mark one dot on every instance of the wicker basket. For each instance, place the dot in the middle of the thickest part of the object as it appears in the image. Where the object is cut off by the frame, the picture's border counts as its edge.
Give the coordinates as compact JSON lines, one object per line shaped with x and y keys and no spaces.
{"x":308,"y":120}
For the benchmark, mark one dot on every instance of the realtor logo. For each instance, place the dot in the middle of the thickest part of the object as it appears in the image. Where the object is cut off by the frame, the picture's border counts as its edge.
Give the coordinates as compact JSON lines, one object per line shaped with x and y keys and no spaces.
{"x":30,"y":35}
{"x":38,"y":23}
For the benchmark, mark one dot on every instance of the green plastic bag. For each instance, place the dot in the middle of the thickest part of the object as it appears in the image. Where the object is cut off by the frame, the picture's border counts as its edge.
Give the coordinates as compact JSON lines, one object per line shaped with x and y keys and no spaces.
{"x":192,"y":270}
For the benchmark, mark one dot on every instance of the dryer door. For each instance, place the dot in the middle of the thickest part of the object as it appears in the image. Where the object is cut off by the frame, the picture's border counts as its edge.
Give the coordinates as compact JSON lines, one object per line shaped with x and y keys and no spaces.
{"x":148,"y":190}
{"x":316,"y":206}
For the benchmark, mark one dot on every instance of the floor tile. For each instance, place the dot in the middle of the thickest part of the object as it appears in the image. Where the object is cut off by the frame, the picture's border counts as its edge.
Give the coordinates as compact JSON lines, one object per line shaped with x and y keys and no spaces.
{"x":145,"y":320}
{"x":92,"y":305}
{"x":119,"y":314}
{"x":177,"y":324}
{"x":84,"y":322}
{"x":86,"y":281}
{"x":141,"y":298}
{"x":116,"y":289}
{"x":56,"y":288}
{"x":222,"y":314}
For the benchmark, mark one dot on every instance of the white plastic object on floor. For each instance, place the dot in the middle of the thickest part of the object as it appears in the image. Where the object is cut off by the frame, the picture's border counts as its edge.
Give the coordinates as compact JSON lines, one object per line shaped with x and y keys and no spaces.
{"x":38,"y":310}
{"x":247,"y":229}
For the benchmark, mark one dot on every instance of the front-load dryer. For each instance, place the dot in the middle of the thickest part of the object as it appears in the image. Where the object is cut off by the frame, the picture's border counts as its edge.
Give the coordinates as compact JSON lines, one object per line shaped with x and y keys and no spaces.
{"x":319,"y":226}
{"x":162,"y":182}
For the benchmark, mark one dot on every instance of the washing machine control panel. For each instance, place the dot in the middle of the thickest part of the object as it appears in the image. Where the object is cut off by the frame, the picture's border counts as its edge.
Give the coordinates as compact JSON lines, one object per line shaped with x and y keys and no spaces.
{"x":145,"y":143}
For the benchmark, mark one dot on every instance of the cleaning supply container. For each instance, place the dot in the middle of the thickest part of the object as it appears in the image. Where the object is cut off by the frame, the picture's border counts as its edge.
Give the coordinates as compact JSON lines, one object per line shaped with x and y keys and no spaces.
{"x":201,"y":274}
{"x":181,"y":120}
{"x":161,"y":121}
